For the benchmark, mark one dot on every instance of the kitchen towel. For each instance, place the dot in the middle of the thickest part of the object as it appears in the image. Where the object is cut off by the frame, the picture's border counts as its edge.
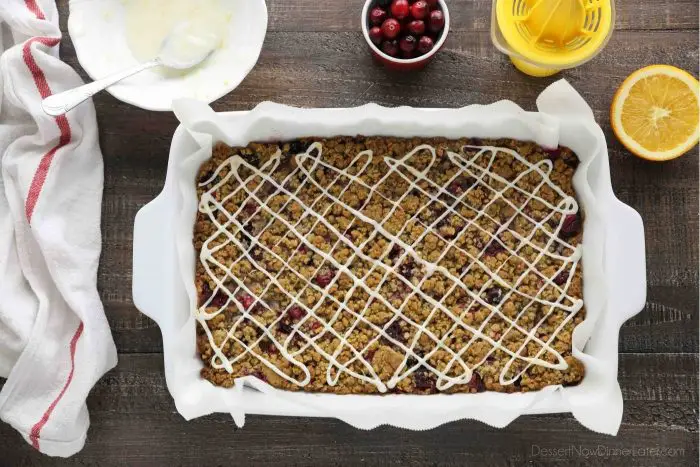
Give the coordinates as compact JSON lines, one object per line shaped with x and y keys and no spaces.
{"x":55,"y":342}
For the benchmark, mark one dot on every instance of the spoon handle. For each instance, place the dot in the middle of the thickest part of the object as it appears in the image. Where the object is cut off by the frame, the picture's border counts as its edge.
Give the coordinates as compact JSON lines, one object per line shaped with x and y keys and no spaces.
{"x":60,"y":103}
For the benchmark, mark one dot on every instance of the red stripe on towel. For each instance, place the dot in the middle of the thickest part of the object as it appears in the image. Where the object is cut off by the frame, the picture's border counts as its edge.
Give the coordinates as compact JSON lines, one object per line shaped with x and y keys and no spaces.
{"x":35,"y":190}
{"x":61,"y":121}
{"x":36,"y":429}
{"x":34,"y":8}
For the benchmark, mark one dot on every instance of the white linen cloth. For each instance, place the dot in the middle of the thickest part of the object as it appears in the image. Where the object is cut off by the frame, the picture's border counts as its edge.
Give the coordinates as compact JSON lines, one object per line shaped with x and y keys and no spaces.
{"x":55,"y":342}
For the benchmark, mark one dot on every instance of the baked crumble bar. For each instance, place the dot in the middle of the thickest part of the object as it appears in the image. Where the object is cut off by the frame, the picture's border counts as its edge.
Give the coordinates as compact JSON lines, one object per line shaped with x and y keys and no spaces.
{"x":381,"y":264}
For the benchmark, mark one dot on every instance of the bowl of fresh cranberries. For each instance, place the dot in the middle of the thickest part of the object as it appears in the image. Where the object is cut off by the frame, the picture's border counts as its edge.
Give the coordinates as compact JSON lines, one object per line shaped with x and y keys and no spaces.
{"x":405,"y":34}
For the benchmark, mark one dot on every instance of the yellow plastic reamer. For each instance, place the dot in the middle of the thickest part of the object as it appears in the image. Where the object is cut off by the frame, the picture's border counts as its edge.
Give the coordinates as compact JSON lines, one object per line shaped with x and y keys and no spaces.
{"x":543,"y":37}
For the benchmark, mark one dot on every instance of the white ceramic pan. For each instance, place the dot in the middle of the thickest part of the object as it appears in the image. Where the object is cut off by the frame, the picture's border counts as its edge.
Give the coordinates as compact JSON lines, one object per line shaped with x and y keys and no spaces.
{"x":613,"y":261}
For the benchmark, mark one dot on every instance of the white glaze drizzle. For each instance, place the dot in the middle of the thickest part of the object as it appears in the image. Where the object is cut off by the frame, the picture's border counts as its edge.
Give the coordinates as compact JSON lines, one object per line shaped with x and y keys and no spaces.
{"x":231,"y":226}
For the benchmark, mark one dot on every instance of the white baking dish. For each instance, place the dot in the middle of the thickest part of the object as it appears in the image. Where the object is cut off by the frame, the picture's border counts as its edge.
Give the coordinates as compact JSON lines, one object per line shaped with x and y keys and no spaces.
{"x":613,"y":261}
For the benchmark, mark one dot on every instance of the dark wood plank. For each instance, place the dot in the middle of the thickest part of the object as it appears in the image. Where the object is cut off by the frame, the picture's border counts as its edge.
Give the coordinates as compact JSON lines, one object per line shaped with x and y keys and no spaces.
{"x":466,"y":15}
{"x":470,"y":15}
{"x":136,"y":142}
{"x":274,"y":441}
{"x":134,"y":422}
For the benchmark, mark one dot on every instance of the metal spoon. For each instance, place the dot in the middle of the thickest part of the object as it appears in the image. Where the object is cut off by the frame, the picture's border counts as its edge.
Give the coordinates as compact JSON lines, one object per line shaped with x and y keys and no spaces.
{"x":180,"y":50}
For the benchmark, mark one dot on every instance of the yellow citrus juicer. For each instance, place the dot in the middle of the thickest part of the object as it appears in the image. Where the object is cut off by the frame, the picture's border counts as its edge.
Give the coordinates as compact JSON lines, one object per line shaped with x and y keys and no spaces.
{"x":542,"y":37}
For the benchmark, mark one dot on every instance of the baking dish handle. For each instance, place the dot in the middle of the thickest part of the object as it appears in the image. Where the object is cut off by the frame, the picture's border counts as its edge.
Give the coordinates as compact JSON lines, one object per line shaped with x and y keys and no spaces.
{"x":626,"y":261}
{"x":150,"y":249}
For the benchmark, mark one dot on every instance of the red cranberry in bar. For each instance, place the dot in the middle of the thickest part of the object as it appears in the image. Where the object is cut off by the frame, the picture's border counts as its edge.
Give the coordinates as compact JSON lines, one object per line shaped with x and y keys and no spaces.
{"x":561,"y":278}
{"x":325,"y":277}
{"x":219,"y":299}
{"x":400,"y":9}
{"x":377,"y":16}
{"x":553,"y":153}
{"x":296,"y":312}
{"x":394,"y":331}
{"x":407,"y":44}
{"x":204,"y":293}
{"x":376,"y":35}
{"x":571,"y":226}
{"x":476,"y":383}
{"x":250,"y":207}
{"x":406,"y":269}
{"x":246,"y":300}
{"x":391,"y":48}
{"x":391,"y":28}
{"x":425,"y":45}
{"x":420,"y":9}
{"x":416,"y":27}
{"x":395,"y":251}
{"x":436,"y":21}
{"x":423,"y":380}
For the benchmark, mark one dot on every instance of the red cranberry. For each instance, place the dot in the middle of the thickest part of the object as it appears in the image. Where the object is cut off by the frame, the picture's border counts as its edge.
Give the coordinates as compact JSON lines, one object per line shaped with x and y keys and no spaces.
{"x":416,"y":27}
{"x":407,"y":44}
{"x":437,"y":21}
{"x":375,"y":35}
{"x":476,"y":382}
{"x":296,"y":312}
{"x":377,"y":16}
{"x":391,"y":48}
{"x":425,"y":45}
{"x":250,"y":207}
{"x":324,"y":278}
{"x":219,"y":299}
{"x":391,"y":28}
{"x":455,"y":188}
{"x":399,"y":9}
{"x":553,"y":153}
{"x":561,"y":278}
{"x":423,"y":380}
{"x":395,"y":251}
{"x":432,"y":3}
{"x":245,"y":300}
{"x":571,"y":226}
{"x":204,"y":294}
{"x":394,"y":331}
{"x":419,"y":10}
{"x":406,"y":269}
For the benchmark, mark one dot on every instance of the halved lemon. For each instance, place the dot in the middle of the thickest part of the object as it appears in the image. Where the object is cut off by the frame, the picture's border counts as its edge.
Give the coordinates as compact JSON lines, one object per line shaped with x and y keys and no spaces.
{"x":655,"y":112}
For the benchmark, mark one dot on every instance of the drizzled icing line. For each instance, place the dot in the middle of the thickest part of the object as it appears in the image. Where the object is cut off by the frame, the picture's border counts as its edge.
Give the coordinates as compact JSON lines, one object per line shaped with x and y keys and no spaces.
{"x":211,"y":206}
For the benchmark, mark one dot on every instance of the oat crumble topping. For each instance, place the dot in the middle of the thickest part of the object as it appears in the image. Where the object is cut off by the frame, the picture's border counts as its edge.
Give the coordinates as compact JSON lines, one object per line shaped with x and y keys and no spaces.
{"x":381,"y":264}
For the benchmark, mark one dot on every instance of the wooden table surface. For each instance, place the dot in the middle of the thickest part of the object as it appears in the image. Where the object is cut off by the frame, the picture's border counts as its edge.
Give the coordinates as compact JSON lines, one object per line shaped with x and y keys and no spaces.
{"x":314,"y":55}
